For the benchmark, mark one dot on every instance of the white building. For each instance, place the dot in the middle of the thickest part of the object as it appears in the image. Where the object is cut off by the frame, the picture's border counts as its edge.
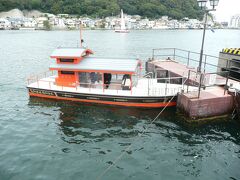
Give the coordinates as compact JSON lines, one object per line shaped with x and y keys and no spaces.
{"x":60,"y":23}
{"x":29,"y":23}
{"x":5,"y":24}
{"x":161,"y":24}
{"x":63,"y":15}
{"x":235,"y":21}
{"x":70,"y":23}
{"x":195,"y":24}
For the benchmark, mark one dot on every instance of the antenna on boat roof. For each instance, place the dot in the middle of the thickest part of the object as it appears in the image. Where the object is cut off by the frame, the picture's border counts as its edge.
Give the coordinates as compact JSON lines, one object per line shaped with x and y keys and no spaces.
{"x":81,"y":39}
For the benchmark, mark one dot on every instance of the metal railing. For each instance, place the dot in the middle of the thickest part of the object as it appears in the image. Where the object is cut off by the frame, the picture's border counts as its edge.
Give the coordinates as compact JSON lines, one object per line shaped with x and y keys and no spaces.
{"x":35,"y":78}
{"x":209,"y":77}
{"x":166,"y":89}
{"x":188,"y":58}
{"x":206,"y":80}
{"x":43,"y":81}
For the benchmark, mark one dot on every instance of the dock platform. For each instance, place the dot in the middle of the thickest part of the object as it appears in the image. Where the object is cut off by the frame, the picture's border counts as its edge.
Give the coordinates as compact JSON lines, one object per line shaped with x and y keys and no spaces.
{"x":211,"y":102}
{"x":211,"y":99}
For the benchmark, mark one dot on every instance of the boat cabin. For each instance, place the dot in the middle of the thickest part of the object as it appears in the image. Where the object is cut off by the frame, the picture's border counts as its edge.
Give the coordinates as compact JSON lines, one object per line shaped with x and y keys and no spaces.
{"x":75,"y":67}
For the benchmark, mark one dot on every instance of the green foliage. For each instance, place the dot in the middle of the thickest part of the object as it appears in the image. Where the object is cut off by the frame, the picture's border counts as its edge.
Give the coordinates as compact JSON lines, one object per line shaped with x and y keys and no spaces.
{"x":47,"y":25}
{"x":102,"y":8}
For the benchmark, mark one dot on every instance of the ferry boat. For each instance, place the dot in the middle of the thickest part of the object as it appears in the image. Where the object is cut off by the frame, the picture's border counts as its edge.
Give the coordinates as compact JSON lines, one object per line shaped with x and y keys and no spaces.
{"x":76,"y":75}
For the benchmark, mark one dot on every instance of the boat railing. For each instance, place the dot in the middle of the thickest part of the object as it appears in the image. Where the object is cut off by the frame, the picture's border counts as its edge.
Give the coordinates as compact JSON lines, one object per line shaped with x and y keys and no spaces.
{"x":39,"y":76}
{"x":49,"y":84}
{"x":154,"y":86}
{"x":166,"y":86}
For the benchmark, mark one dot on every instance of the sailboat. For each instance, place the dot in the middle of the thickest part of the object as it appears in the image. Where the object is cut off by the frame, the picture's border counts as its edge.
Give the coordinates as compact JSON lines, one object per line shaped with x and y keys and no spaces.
{"x":123,"y":27}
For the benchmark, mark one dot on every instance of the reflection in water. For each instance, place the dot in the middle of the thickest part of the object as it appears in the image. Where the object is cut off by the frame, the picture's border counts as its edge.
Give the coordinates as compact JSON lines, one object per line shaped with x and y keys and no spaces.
{"x":84,"y":122}
{"x":192,"y":146}
{"x":98,"y":121}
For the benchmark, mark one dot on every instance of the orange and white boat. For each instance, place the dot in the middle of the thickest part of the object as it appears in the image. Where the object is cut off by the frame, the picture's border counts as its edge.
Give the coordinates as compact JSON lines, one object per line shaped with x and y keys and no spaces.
{"x":77,"y":76}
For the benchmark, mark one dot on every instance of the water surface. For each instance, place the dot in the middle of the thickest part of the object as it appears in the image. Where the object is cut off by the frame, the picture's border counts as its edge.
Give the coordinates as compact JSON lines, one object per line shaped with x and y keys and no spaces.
{"x":47,"y":139}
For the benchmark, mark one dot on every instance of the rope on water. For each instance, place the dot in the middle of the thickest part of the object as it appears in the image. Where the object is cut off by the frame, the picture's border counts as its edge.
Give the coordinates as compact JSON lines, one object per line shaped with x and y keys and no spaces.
{"x":126,"y":149}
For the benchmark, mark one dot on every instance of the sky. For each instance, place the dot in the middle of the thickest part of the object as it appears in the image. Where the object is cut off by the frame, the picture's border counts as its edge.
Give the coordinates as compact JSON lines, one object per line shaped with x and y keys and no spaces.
{"x":226,"y":9}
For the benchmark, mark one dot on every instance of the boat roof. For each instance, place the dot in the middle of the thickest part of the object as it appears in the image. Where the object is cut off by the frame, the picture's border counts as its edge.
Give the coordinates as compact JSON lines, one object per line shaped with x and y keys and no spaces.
{"x":89,"y":64}
{"x":70,"y":52}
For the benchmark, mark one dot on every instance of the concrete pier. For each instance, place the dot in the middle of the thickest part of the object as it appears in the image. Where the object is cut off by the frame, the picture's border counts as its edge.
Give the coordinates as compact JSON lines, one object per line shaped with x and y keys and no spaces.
{"x":212,"y":102}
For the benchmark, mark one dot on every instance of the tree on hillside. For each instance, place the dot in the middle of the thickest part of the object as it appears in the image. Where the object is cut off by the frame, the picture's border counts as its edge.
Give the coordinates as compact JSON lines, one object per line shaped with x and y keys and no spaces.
{"x":102,"y":8}
{"x":47,"y":25}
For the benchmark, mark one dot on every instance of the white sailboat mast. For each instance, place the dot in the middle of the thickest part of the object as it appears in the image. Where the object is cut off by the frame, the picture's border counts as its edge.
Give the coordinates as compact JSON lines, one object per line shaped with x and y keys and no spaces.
{"x":123,"y":27}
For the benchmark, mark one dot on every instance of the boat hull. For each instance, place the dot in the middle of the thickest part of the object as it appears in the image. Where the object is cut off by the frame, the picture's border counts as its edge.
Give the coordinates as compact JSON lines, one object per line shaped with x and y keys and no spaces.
{"x":122,"y":31}
{"x":127,"y":101}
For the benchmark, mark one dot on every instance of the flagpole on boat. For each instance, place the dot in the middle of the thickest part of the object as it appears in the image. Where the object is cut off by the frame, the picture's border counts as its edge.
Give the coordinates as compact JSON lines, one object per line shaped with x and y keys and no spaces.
{"x":81,"y":40}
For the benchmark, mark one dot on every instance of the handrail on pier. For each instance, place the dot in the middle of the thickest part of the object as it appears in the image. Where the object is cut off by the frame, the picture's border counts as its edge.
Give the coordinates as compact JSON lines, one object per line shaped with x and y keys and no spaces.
{"x":189,"y":58}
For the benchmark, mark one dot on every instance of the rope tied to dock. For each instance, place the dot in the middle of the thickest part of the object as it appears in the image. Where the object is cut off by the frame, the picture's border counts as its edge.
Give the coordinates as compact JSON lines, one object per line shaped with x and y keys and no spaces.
{"x":128,"y":148}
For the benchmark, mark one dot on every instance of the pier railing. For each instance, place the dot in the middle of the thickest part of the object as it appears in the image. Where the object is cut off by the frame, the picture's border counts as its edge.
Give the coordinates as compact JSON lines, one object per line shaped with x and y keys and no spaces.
{"x":208,"y":77}
{"x":189,"y":58}
{"x":207,"y":80}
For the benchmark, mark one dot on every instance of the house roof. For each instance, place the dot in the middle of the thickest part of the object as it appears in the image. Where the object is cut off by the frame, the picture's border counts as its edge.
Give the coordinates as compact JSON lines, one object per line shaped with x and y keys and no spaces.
{"x":100,"y":65}
{"x":70,"y":53}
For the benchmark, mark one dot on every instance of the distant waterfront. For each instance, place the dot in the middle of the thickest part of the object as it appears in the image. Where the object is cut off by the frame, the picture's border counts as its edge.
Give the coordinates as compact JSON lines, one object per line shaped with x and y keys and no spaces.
{"x":46,"y":139}
{"x":16,"y":19}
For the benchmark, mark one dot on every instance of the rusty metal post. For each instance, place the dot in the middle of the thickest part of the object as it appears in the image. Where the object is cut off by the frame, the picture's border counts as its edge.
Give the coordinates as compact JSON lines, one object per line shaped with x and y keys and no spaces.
{"x":200,"y":85}
{"x":188,"y":80}
{"x":205,"y":61}
{"x":225,"y":88}
{"x":174,"y":53}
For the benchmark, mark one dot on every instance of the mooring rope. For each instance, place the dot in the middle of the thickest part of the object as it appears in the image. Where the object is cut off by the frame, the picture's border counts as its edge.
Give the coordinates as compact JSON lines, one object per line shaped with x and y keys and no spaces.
{"x":126,"y":149}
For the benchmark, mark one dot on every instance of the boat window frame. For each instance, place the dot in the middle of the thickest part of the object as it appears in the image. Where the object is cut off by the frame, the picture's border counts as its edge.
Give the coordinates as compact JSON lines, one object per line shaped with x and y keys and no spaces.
{"x":67,"y":72}
{"x":66,"y":60}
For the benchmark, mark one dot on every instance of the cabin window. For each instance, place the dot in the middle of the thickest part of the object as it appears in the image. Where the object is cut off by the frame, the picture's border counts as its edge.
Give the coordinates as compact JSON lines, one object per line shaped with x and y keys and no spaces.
{"x":67,"y":72}
{"x":66,"y":60}
{"x":92,"y":79}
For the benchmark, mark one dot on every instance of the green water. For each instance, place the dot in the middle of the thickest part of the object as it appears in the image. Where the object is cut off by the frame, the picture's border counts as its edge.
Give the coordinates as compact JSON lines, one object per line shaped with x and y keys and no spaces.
{"x":46,"y":139}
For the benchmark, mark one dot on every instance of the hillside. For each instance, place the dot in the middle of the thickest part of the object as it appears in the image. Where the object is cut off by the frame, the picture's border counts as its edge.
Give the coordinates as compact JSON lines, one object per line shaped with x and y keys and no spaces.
{"x":101,"y":8}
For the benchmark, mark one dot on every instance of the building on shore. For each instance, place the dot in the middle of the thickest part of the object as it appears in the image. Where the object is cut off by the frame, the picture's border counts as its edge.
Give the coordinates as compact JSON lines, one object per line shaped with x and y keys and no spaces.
{"x":5,"y":24}
{"x":235,"y":21}
{"x":67,"y":21}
